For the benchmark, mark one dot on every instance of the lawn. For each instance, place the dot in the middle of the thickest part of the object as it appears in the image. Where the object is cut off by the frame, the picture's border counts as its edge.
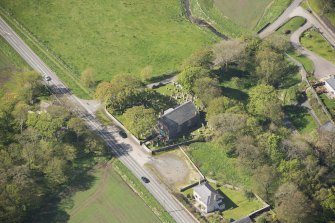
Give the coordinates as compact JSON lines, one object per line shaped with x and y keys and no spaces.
{"x":110,"y":199}
{"x":113,"y":36}
{"x":329,"y":103}
{"x":237,"y":204}
{"x":300,"y":118}
{"x":272,"y":12}
{"x":291,"y":26}
{"x":306,"y":63}
{"x":214,"y":163}
{"x":314,"y":41}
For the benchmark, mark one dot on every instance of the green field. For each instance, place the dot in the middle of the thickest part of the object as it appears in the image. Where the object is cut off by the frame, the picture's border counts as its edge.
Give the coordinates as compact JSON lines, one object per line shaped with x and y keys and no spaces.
{"x":110,"y":199}
{"x":314,"y":41}
{"x":112,"y":37}
{"x":291,"y":26}
{"x":214,"y":163}
{"x":245,"y":13}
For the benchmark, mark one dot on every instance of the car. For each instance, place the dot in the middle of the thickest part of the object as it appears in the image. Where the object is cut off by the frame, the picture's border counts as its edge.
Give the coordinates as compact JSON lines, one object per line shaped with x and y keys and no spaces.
{"x":123,"y":134}
{"x":47,"y":78}
{"x":145,"y":180}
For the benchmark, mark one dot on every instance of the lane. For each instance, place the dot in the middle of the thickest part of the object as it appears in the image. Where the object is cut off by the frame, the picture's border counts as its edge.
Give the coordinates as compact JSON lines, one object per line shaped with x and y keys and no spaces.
{"x":284,"y":17}
{"x":117,"y":145}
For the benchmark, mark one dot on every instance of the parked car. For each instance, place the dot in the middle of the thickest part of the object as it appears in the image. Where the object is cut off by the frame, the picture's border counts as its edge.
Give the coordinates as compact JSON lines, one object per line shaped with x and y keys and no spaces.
{"x":145,"y":180}
{"x":47,"y":78}
{"x":123,"y":134}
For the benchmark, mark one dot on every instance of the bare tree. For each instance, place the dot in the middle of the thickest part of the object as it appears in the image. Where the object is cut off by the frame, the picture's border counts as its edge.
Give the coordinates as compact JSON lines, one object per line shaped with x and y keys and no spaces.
{"x":228,"y":51}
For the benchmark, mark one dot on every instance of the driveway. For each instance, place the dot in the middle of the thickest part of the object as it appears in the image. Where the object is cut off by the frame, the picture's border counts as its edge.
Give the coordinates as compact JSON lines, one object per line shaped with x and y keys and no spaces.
{"x":322,"y":67}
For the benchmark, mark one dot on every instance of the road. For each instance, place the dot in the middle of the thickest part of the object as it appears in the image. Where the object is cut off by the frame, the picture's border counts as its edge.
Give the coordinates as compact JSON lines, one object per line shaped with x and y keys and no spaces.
{"x":284,"y":17}
{"x":322,"y":67}
{"x":120,"y":147}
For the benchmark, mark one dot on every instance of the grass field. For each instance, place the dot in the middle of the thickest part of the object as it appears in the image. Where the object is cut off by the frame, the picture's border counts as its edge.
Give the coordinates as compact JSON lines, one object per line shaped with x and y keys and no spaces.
{"x":113,"y":36}
{"x":291,"y":26}
{"x":313,"y":41}
{"x":110,"y":199}
{"x":214,"y":163}
{"x":271,"y":13}
{"x":245,"y":13}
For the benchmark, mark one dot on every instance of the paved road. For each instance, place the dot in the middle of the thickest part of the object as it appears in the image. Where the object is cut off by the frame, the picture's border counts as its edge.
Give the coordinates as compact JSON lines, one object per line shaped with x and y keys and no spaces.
{"x":324,"y":30}
{"x":322,"y":67}
{"x":281,"y":19}
{"x":121,"y":148}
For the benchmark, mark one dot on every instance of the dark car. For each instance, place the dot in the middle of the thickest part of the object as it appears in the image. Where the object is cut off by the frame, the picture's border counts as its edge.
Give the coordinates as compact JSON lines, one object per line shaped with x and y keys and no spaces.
{"x":47,"y":78}
{"x":123,"y":134}
{"x":145,"y":180}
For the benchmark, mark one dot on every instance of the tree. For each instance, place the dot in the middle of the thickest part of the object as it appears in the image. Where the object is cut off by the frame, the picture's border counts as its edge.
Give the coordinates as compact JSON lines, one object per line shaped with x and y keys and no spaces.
{"x":206,"y":89}
{"x":88,"y":78}
{"x":20,"y":113}
{"x":28,"y":85}
{"x":271,"y":66}
{"x":78,"y":126}
{"x":226,"y":122}
{"x":326,"y":145}
{"x":219,"y":105}
{"x":188,"y":76}
{"x":140,"y":120}
{"x":264,"y":181}
{"x":292,"y":206}
{"x":228,"y":51}
{"x":121,"y":81}
{"x":264,"y":102}
{"x":326,"y":197}
{"x":103,"y":92}
{"x":202,"y":58}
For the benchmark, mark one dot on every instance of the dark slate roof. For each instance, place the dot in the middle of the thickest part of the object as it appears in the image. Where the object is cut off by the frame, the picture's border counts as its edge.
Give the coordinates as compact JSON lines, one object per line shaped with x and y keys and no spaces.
{"x":244,"y":220}
{"x":331,"y":82}
{"x":180,"y":114}
{"x":206,"y":193}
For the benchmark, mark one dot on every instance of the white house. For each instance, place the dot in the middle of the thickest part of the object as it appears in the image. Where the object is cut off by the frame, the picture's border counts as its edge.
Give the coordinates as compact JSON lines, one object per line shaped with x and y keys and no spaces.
{"x":330,"y":85}
{"x":208,"y":199}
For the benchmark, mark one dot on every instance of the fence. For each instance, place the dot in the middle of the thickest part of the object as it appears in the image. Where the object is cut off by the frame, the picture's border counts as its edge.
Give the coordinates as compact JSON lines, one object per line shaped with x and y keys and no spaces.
{"x":171,"y":147}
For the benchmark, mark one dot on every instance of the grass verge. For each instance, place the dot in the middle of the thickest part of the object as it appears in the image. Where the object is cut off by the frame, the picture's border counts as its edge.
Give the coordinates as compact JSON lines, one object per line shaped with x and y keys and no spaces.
{"x":306,"y":63}
{"x":314,"y":41}
{"x":291,"y":25}
{"x":274,"y":10}
{"x":315,"y":5}
{"x":148,"y":198}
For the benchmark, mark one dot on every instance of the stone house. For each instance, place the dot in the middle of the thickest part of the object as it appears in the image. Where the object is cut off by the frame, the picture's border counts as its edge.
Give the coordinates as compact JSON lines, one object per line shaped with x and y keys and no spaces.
{"x":207,"y":198}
